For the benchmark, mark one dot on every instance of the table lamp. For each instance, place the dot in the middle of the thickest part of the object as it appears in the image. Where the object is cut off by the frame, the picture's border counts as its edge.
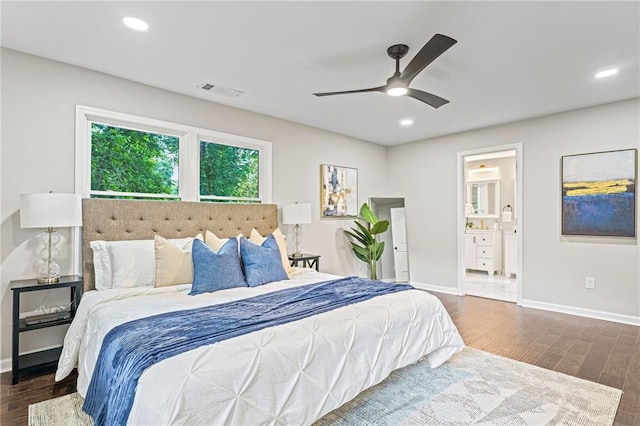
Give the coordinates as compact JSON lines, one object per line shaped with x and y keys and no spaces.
{"x":50,"y":210}
{"x":296,"y":214}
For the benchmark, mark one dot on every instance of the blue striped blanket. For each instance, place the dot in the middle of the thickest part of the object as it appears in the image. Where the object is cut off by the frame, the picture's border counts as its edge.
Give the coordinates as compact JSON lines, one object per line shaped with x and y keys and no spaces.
{"x":130,"y":348}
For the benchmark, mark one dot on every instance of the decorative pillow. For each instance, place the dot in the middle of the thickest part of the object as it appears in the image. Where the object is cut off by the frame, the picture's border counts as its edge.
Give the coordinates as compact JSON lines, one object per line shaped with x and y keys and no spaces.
{"x":256,"y":238}
{"x":174,"y":263}
{"x":262,"y":263}
{"x":216,"y":271}
{"x":127,"y":263}
{"x":215,"y":242}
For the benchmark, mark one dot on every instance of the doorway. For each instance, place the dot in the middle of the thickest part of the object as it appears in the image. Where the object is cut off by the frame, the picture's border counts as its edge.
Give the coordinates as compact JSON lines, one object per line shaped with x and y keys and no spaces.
{"x":394,"y":263}
{"x":490,"y":223}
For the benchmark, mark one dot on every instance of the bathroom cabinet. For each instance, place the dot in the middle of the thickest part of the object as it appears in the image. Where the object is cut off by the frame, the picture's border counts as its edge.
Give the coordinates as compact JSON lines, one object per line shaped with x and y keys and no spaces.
{"x":483,"y":250}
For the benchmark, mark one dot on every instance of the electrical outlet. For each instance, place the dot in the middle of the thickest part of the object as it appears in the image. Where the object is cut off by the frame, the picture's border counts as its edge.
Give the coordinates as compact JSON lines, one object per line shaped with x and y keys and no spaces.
{"x":590,"y":283}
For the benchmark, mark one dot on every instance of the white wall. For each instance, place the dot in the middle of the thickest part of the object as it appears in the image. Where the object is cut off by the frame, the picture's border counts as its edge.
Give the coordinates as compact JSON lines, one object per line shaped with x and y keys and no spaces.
{"x":37,"y":154}
{"x":554,"y":267}
{"x":38,"y":106}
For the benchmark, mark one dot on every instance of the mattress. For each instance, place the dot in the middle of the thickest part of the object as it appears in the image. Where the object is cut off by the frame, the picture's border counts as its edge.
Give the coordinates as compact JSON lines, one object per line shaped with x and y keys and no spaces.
{"x":293,"y":373}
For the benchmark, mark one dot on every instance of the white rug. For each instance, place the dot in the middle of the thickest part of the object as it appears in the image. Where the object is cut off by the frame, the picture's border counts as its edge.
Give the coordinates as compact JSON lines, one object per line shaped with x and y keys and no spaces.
{"x":474,"y":387}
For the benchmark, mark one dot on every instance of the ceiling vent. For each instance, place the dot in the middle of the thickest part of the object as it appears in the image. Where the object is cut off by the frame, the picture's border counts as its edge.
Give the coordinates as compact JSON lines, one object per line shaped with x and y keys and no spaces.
{"x":220,"y":90}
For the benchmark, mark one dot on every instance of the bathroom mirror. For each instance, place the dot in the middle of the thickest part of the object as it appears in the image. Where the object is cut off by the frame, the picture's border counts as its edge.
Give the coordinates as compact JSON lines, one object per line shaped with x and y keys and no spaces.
{"x":483,"y":199}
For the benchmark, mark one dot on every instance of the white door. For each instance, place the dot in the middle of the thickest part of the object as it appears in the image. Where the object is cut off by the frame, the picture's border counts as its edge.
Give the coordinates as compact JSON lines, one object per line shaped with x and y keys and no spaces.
{"x":399,"y":238}
{"x":470,"y":251}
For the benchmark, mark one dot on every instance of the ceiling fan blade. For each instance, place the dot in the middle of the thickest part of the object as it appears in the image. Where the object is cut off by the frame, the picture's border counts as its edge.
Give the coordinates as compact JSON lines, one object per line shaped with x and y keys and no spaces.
{"x":373,"y":89}
{"x":435,"y":47}
{"x":427,"y":98}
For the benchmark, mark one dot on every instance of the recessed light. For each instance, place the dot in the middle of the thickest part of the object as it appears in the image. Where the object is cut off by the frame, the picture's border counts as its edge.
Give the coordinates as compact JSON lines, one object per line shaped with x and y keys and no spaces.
{"x":406,"y":122}
{"x":135,"y":23}
{"x":607,"y":73}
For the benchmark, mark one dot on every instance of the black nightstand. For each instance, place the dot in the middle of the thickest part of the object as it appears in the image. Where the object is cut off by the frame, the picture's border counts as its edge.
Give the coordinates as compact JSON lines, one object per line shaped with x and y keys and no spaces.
{"x":307,"y":260}
{"x":48,"y":358}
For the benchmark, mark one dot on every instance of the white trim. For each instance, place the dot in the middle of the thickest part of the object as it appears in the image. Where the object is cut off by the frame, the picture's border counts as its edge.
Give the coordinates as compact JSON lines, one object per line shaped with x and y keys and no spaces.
{"x":582,"y":312}
{"x":437,"y":288}
{"x":518,"y":147}
{"x":188,"y":151}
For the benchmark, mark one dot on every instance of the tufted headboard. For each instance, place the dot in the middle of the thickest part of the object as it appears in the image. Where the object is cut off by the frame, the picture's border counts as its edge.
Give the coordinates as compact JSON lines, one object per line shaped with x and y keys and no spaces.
{"x":111,"y":220}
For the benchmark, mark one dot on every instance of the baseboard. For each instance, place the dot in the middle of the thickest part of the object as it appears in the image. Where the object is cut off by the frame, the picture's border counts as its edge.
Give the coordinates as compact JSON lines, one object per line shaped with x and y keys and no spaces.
{"x":435,"y":288}
{"x":5,"y":364}
{"x":582,"y":312}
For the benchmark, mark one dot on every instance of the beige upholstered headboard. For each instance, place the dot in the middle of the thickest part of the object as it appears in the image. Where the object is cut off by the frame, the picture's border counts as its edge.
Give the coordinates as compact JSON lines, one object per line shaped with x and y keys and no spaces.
{"x":112,"y":220}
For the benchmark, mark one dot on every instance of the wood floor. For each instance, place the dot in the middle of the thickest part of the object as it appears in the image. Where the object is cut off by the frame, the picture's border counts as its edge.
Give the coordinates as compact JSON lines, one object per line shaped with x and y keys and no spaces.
{"x":600,"y":351}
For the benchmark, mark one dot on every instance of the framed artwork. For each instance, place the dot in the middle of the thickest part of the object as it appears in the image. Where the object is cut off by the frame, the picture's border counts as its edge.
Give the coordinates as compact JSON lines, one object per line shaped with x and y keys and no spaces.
{"x":339,"y":191}
{"x":599,"y":193}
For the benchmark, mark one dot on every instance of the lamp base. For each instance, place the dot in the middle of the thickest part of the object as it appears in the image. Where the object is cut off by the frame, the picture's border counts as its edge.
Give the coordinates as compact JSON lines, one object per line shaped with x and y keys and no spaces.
{"x":48,"y":280}
{"x":298,"y":254}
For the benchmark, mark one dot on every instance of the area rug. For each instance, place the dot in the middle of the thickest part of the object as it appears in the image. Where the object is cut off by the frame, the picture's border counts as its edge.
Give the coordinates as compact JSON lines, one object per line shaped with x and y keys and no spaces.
{"x":474,"y":387}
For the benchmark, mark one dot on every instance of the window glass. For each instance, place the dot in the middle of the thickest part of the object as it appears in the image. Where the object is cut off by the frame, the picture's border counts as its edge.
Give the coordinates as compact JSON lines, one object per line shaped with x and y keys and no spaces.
{"x":229,"y":172}
{"x":125,"y":156}
{"x":129,"y":161}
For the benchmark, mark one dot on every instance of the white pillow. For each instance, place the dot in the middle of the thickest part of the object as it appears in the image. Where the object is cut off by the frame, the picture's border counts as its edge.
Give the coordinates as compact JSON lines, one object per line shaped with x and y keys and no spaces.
{"x":174,"y":262}
{"x":101,"y":265}
{"x":126,"y":264}
{"x":258,"y":239}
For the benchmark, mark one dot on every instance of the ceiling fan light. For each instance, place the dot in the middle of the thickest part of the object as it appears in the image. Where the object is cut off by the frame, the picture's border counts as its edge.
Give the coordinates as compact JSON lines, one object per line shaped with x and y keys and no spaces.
{"x":397,"y":91}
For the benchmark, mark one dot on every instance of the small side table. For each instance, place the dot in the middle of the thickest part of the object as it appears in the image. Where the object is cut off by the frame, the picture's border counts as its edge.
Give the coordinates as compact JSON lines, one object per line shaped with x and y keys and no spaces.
{"x":47,"y":358}
{"x":308,"y":260}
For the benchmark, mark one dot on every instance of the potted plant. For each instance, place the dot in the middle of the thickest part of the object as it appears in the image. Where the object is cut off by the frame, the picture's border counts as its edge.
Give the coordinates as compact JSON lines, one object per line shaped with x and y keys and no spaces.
{"x":363,"y":239}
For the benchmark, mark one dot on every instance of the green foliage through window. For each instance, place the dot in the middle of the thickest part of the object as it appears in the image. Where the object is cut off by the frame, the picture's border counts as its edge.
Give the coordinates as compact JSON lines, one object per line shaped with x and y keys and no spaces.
{"x":124,"y":160}
{"x":228,"y":171}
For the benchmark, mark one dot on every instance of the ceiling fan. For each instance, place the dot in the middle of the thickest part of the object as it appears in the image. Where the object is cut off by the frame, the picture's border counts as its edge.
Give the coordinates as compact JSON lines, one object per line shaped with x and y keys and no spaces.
{"x":398,"y":83}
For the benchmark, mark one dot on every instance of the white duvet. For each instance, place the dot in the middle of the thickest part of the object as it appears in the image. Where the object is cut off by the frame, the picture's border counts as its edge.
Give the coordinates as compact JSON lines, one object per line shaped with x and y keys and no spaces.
{"x":290,"y":374}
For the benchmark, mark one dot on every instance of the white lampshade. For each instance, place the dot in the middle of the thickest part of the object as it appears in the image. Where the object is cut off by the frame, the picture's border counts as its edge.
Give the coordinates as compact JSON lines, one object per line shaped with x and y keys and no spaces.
{"x":295,"y":214}
{"x":50,"y":210}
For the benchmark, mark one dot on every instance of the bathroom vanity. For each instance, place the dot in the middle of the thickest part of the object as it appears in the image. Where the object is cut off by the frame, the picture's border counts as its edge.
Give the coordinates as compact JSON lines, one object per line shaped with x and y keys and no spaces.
{"x":483,"y":250}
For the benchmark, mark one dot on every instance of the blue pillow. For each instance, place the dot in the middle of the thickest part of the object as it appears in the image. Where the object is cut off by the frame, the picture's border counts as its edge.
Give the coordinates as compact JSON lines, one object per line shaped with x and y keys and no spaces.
{"x":216,"y":271}
{"x":262,"y":263}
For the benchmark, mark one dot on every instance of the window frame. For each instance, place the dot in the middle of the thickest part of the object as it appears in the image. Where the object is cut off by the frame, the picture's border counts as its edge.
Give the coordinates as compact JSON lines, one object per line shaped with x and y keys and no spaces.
{"x":189,"y":138}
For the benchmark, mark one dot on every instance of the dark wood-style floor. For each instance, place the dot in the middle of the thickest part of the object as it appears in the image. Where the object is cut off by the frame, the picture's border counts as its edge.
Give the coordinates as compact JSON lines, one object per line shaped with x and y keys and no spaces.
{"x":600,"y":351}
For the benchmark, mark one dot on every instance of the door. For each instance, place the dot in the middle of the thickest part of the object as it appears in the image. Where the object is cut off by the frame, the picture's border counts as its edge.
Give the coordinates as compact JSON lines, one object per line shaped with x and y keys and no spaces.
{"x":470,"y":251}
{"x":399,"y":239}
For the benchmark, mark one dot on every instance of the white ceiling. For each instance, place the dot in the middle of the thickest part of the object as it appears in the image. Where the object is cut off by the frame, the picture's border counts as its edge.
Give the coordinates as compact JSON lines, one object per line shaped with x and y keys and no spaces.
{"x":513,"y":60}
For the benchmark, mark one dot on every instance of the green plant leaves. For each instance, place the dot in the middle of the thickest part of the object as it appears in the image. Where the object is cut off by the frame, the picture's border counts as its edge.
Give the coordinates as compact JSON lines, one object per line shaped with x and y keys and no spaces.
{"x":370,"y":249}
{"x":367,"y":215}
{"x":380,"y":227}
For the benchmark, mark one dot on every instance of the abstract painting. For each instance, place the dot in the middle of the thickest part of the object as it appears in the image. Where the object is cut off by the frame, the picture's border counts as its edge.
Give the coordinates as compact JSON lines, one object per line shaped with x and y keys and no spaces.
{"x":339,"y":191}
{"x":599,"y":194}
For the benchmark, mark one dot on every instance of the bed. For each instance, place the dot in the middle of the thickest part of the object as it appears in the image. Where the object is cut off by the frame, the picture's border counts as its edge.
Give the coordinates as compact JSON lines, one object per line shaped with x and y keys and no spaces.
{"x":293,"y":373}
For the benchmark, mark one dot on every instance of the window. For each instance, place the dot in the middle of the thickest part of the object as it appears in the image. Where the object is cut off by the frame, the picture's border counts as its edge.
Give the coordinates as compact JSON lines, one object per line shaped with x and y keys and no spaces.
{"x":124,"y":156}
{"x":132,"y":162}
{"x":229,"y":173}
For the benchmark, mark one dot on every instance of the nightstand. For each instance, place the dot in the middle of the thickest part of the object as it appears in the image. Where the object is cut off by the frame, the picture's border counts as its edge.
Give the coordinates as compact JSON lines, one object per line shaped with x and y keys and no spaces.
{"x":307,"y":260}
{"x":46,"y":359}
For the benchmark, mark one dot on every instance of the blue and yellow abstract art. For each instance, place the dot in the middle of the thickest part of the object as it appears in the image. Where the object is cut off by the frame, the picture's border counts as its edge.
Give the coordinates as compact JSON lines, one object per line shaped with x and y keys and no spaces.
{"x":599,"y":194}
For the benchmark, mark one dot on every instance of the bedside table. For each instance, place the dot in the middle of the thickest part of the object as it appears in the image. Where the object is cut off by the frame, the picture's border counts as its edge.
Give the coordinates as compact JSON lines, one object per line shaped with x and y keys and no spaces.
{"x":47,"y":358}
{"x":307,"y":260}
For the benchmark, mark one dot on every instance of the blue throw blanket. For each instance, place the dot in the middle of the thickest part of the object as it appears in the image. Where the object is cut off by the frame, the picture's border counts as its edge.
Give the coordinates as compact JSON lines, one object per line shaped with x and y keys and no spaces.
{"x":130,"y":348}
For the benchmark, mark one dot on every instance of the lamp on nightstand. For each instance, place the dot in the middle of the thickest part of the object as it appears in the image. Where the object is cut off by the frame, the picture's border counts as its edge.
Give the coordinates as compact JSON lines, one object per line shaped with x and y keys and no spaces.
{"x":50,"y":210}
{"x":296,"y":214}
